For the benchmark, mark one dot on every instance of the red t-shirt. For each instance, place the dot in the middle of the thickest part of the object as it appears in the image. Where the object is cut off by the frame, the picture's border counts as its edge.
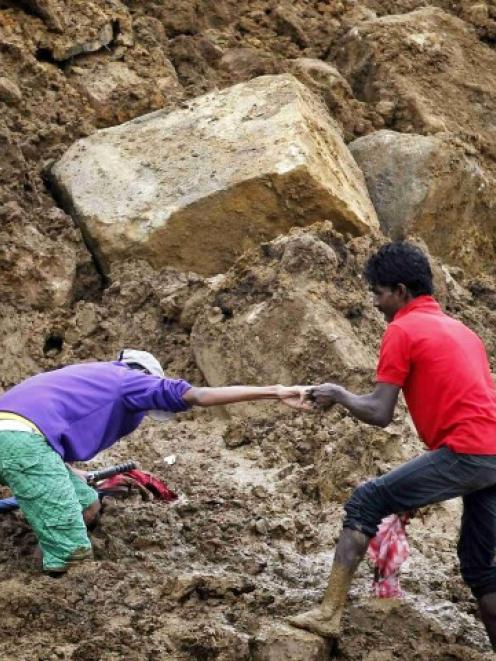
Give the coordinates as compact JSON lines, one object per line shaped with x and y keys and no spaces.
{"x":442,"y":367}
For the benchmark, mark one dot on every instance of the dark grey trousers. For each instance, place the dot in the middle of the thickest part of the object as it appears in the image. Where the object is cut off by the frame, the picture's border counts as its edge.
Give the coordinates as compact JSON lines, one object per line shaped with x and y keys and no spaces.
{"x":432,"y":478}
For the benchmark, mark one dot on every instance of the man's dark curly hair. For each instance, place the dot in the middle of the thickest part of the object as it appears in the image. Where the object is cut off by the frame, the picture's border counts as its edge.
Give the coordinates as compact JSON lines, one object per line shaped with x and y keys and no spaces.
{"x":400,"y":262}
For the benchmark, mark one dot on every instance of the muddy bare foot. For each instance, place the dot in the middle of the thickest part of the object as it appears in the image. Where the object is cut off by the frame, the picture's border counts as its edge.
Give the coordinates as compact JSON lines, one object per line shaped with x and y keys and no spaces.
{"x":323,"y":623}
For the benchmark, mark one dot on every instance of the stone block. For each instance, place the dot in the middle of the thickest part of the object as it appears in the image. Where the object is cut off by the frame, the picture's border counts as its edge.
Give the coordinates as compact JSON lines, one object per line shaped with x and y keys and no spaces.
{"x":196,"y":187}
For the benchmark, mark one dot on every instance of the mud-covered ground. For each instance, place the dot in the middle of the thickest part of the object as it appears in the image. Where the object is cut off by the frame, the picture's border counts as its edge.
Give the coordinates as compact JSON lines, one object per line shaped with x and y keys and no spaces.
{"x":246,"y":544}
{"x":250,"y":539}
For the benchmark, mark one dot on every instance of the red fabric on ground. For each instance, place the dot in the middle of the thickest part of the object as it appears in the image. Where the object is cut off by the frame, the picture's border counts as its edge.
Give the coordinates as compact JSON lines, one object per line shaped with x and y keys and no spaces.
{"x":388,"y":550}
{"x":159,"y":488}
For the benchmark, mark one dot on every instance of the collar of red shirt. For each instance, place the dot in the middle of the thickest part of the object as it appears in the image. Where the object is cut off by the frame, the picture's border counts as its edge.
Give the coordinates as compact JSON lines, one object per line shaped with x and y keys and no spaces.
{"x":424,"y":303}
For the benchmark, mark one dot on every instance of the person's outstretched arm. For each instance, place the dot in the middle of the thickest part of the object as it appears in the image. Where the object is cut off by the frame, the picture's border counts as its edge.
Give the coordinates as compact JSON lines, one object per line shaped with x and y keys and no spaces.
{"x":376,"y":408}
{"x":293,"y":396}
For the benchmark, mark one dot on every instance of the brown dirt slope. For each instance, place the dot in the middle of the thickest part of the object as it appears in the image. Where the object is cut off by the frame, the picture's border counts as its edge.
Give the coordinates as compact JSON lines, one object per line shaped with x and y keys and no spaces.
{"x":250,"y":539}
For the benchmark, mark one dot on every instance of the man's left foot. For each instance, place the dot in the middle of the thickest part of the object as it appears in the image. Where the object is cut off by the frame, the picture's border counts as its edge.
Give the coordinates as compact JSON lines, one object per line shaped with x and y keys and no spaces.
{"x":323,"y":623}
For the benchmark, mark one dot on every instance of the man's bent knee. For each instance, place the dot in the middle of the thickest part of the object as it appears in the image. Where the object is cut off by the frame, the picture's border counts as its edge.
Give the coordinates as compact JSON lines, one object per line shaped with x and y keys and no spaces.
{"x":364,"y":510}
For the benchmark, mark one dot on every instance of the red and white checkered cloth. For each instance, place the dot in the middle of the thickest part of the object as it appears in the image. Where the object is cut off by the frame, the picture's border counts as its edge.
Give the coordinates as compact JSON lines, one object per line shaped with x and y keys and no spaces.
{"x":388,"y":550}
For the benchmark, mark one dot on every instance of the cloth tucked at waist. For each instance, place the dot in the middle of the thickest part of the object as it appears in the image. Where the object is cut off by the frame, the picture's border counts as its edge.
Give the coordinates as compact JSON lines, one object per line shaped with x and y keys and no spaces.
{"x":14,"y":422}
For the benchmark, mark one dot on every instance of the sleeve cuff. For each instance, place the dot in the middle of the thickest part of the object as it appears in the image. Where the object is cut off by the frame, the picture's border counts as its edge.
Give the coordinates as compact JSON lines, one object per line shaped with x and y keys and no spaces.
{"x":394,"y":380}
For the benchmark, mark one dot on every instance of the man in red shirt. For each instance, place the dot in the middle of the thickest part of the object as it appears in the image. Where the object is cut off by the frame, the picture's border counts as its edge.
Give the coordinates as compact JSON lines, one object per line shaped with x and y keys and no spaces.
{"x":442,"y":368}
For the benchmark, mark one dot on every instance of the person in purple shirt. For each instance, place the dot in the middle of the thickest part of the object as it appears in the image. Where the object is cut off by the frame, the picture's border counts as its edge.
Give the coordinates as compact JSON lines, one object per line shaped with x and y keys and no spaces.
{"x":71,"y":414}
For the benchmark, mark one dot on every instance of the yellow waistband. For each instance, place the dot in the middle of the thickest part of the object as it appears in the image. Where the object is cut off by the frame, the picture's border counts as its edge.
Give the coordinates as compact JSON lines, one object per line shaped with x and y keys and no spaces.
{"x":5,"y":415}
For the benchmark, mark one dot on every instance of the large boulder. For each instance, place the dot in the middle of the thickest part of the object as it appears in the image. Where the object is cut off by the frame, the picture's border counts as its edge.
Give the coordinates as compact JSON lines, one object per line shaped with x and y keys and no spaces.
{"x":433,"y":186}
{"x":196,"y":187}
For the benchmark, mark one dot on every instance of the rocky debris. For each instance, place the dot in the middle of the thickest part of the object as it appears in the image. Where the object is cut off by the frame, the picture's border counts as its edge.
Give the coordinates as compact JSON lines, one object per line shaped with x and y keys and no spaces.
{"x":260,"y":505}
{"x":288,"y":23}
{"x":428,"y":67}
{"x":324,"y":79}
{"x":376,"y":625}
{"x":280,"y":642}
{"x":117,"y":92}
{"x":191,"y":18}
{"x":394,"y":165}
{"x":78,"y":26}
{"x":134,"y":307}
{"x":207,"y":586}
{"x":276,"y":318}
{"x":102,"y":38}
{"x":432,"y":186}
{"x":347,"y":458}
{"x":38,"y":271}
{"x":52,"y":11}
{"x":196,"y":187}
{"x":195,"y":58}
{"x":21,"y":342}
{"x":482,"y":15}
{"x":251,"y":538}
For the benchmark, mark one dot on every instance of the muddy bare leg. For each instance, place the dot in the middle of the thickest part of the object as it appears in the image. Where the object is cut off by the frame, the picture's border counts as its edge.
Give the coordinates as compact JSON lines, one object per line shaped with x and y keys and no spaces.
{"x":326,"y":620}
{"x":91,"y":515}
{"x":487,"y":607}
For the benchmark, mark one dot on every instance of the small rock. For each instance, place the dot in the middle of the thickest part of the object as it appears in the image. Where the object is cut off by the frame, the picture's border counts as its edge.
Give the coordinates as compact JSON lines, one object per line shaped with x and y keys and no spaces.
{"x":289,"y":24}
{"x":246,"y":63}
{"x":280,"y":642}
{"x":259,"y":492}
{"x":9,"y":92}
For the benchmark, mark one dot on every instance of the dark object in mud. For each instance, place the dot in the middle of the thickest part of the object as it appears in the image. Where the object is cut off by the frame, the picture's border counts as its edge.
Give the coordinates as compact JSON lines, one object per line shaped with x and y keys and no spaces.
{"x":9,"y":504}
{"x":105,"y":473}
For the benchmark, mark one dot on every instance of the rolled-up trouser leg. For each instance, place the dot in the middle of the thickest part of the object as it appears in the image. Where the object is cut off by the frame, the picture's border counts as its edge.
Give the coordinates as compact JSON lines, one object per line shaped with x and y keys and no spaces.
{"x":46,"y":494}
{"x":86,"y":495}
{"x":431,"y":478}
{"x":477,"y":542}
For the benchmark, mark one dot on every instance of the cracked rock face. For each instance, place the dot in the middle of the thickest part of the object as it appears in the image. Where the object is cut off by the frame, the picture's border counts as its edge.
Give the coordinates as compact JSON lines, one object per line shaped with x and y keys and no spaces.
{"x":196,"y":187}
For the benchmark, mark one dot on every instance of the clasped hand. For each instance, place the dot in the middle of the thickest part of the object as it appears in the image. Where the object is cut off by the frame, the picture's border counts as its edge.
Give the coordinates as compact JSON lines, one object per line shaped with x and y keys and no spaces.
{"x":310,"y":398}
{"x":325,"y":395}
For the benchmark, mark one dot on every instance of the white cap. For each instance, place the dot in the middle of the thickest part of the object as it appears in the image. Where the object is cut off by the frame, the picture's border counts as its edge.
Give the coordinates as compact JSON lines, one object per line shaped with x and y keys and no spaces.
{"x":142,"y":358}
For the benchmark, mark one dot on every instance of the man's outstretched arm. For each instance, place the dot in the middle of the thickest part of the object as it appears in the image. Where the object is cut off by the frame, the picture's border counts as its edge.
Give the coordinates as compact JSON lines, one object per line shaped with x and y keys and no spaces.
{"x":293,"y":396}
{"x":376,"y":408}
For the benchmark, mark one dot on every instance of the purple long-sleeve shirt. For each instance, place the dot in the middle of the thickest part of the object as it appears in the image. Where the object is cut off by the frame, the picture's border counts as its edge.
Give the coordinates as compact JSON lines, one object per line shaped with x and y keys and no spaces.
{"x":83,"y":409}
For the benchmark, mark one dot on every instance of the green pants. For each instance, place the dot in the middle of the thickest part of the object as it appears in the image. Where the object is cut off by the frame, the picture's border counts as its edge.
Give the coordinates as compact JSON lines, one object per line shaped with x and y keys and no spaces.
{"x":50,"y":496}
